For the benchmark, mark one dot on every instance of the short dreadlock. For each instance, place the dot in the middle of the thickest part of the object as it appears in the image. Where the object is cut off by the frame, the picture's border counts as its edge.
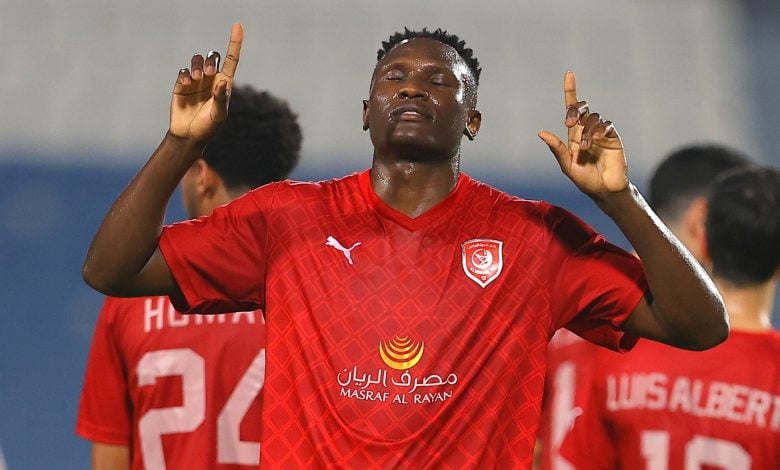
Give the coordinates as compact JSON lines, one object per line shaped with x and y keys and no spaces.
{"x":439,"y":35}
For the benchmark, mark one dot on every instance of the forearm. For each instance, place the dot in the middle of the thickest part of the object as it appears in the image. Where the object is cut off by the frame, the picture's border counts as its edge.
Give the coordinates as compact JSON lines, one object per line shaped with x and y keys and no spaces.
{"x":127,"y":238}
{"x":686,"y":308}
{"x":110,"y":457}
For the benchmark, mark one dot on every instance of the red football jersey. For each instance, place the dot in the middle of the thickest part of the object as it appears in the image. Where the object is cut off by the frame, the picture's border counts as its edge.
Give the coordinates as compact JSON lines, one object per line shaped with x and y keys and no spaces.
{"x":403,"y":342}
{"x":660,"y":408}
{"x":182,"y":391}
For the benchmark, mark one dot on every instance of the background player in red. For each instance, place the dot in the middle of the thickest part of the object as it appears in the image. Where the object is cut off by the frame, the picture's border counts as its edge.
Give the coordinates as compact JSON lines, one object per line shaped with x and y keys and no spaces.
{"x":408,"y":307}
{"x":165,"y":390}
{"x":662,"y":408}
{"x":677,"y":192}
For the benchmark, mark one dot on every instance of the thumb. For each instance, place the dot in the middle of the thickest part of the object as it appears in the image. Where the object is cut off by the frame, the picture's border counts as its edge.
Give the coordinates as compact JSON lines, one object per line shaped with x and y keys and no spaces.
{"x":557,"y":147}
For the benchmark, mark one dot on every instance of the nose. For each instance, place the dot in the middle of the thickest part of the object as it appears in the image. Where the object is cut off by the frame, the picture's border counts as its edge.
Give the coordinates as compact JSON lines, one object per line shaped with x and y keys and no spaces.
{"x":411,"y":91}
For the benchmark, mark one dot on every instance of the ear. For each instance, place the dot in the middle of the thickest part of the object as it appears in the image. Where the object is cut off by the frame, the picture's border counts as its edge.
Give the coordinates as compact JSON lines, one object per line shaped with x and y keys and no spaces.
{"x":473,"y":121}
{"x":694,"y":223}
{"x":365,"y":115}
{"x":205,"y":178}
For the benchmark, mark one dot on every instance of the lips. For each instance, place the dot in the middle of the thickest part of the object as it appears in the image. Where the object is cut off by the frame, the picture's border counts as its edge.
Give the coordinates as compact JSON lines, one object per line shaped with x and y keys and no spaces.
{"x":411,"y":112}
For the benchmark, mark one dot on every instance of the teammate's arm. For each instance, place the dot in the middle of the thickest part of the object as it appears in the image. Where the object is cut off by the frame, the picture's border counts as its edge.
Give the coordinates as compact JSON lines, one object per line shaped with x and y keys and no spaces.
{"x":110,"y":457}
{"x":686,"y":309}
{"x":123,"y":259}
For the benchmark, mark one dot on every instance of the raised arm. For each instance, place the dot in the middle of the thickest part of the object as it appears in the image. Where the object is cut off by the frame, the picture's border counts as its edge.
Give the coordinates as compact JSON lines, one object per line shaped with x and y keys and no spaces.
{"x":123,"y":259}
{"x":685,"y":309}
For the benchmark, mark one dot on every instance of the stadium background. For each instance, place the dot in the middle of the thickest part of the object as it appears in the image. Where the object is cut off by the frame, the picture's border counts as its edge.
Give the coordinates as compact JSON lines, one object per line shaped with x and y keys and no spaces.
{"x":85,"y":97}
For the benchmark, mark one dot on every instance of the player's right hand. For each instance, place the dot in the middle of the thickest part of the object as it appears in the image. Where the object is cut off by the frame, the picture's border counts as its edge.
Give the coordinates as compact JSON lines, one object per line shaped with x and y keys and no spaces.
{"x":202,"y":92}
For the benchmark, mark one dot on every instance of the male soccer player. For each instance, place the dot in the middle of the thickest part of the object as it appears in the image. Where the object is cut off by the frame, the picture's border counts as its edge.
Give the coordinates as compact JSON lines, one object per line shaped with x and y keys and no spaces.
{"x":408,"y":307}
{"x":165,"y":390}
{"x":677,"y":192}
{"x":662,"y":408}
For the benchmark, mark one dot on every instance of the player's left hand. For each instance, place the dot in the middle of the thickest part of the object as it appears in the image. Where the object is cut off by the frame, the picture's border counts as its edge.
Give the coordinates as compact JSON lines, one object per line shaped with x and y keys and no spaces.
{"x":593,"y":158}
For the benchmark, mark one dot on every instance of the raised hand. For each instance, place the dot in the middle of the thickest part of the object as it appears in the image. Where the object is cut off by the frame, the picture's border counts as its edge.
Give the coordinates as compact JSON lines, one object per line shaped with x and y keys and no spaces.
{"x":202,"y":92}
{"x":593,"y":158}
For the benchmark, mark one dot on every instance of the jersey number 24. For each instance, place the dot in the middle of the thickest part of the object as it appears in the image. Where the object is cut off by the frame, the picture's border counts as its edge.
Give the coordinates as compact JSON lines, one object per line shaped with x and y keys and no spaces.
{"x":186,"y":418}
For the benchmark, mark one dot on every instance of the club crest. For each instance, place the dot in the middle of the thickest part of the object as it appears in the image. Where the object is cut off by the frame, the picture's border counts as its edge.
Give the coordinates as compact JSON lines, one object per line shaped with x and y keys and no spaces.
{"x":483,"y":260}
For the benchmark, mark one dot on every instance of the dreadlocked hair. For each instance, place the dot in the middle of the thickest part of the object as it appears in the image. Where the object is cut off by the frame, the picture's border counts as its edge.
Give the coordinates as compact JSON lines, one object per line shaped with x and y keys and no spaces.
{"x":439,"y":35}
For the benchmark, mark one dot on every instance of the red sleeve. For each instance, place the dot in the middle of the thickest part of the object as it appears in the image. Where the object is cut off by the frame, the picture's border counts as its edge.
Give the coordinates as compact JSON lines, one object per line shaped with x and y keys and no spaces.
{"x":219,"y":261}
{"x":595,"y":285}
{"x":104,"y":413}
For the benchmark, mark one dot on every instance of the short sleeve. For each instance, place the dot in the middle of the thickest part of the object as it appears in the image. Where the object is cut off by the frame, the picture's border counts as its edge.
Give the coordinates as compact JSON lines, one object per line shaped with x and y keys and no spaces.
{"x":104,"y":413}
{"x":595,"y":285}
{"x":219,"y":261}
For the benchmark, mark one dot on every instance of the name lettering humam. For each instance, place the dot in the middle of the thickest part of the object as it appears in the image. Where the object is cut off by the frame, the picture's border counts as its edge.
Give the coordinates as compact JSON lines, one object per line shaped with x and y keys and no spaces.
{"x":159,"y":314}
{"x":708,"y":399}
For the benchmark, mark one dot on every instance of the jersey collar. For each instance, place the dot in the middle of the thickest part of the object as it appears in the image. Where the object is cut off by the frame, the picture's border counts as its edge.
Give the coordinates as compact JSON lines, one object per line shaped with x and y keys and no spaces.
{"x":426,"y":219}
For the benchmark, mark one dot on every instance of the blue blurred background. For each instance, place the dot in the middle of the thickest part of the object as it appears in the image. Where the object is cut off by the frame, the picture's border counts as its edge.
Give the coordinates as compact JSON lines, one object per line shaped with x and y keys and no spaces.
{"x":85,"y":98}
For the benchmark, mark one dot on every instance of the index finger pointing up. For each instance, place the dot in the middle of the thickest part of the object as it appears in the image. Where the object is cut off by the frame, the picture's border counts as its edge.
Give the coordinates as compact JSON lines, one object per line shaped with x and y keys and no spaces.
{"x":569,"y":89}
{"x":233,"y":50}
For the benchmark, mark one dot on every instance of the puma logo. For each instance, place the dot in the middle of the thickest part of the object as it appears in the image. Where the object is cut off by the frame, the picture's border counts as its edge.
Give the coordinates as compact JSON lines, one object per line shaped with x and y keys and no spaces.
{"x":337,"y":245}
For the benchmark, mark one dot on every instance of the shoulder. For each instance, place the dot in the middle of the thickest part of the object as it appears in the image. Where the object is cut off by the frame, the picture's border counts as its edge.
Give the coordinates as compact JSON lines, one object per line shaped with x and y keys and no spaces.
{"x":765,"y":342}
{"x":522,"y":214}
{"x":772,"y":337}
{"x":119,"y":310}
{"x":295,"y":192}
{"x":504,"y":203}
{"x":294,"y":186}
{"x":115,"y":306}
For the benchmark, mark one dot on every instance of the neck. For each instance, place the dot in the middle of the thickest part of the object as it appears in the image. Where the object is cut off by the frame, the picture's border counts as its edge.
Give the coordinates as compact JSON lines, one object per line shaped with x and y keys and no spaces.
{"x":750,"y":308}
{"x":218,"y":197}
{"x":413,"y":188}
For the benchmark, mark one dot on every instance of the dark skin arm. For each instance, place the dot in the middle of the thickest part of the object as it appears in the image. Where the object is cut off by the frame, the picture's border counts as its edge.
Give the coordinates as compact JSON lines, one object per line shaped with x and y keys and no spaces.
{"x":686,"y":309}
{"x":124,"y":259}
{"x":110,"y":457}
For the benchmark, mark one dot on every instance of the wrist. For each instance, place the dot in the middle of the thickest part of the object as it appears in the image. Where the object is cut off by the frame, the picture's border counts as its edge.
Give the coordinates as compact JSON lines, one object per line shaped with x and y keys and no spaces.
{"x":615,"y":203}
{"x":186,"y":144}
{"x":181,"y":151}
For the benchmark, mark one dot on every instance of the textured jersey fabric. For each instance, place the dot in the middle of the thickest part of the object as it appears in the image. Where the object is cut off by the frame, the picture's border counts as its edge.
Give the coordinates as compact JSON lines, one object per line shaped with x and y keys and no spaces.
{"x":400,"y":342}
{"x":182,"y":391}
{"x":666,"y":408}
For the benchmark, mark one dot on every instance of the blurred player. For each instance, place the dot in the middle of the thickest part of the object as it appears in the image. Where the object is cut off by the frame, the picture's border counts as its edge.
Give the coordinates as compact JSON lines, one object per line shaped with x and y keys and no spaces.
{"x":677,"y":192}
{"x":680,"y":185}
{"x":661,"y":408}
{"x":165,"y":390}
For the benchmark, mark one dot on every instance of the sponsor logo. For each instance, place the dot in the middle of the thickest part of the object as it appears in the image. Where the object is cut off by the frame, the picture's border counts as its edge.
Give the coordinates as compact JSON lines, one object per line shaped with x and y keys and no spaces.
{"x":396,"y":383}
{"x":401,"y":353}
{"x":483,"y":260}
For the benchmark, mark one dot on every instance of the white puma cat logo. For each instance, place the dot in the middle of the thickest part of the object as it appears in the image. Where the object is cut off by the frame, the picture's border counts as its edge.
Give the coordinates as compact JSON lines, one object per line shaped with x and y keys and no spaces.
{"x":337,"y":245}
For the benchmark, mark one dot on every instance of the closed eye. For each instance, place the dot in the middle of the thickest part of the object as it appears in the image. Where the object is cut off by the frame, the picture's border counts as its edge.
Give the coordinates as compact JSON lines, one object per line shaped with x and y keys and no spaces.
{"x":394,"y":75}
{"x":439,"y":79}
